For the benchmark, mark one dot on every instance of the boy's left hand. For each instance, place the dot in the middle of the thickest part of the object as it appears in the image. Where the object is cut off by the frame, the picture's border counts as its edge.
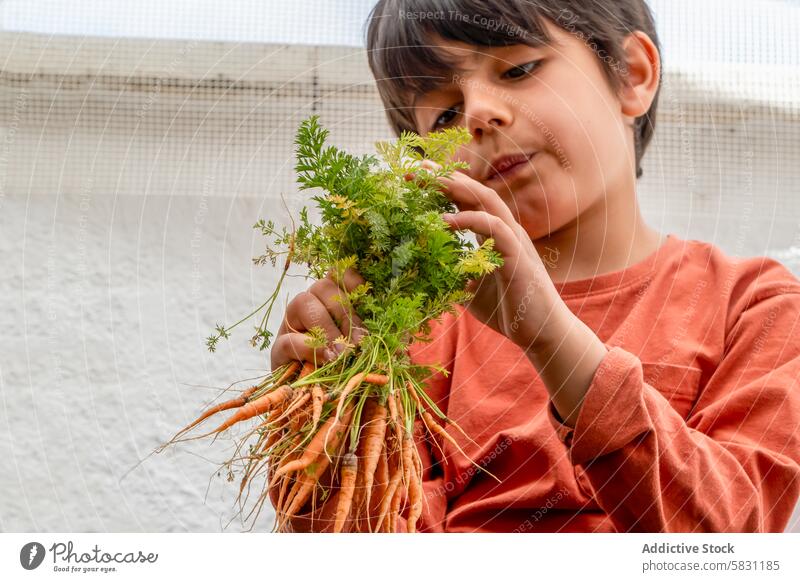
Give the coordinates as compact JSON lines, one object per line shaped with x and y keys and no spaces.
{"x":518,"y":298}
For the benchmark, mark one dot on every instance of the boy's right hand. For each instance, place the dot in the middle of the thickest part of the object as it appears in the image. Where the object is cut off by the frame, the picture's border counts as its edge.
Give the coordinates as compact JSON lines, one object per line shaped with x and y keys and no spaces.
{"x":318,"y":307}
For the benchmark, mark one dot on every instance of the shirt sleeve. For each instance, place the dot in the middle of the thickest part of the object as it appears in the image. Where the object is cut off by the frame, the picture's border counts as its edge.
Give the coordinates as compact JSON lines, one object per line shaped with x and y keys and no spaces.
{"x":731,"y":466}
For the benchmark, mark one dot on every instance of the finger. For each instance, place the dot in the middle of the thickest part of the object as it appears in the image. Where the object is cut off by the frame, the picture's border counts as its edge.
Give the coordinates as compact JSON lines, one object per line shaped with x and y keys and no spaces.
{"x":292,"y":346}
{"x":469,"y":194}
{"x":487,"y":225}
{"x":306,"y":311}
{"x":351,"y":279}
{"x":335,"y":300}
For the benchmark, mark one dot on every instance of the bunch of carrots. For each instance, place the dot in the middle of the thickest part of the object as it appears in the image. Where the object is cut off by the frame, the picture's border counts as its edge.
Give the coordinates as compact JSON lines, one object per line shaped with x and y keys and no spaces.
{"x":340,"y":435}
{"x":358,"y":435}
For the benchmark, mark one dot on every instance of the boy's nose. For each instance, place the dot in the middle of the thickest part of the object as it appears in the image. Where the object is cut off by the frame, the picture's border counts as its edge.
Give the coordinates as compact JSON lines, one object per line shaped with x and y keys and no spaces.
{"x":485,"y":116}
{"x":479,"y":129}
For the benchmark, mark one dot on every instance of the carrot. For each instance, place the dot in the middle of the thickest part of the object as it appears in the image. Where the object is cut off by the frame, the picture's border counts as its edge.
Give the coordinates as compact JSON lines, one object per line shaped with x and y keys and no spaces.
{"x":299,"y":419}
{"x":307,"y":482}
{"x":382,"y":473}
{"x":373,"y":444}
{"x":240,"y":400}
{"x":395,"y":417}
{"x":378,"y":379}
{"x":394,"y":511}
{"x":282,"y":494}
{"x":260,"y":451}
{"x":414,"y":499}
{"x":274,"y":437}
{"x":296,"y":487}
{"x":430,"y":422}
{"x":435,"y":427}
{"x":367,"y":417}
{"x":386,"y":503}
{"x":407,"y":458}
{"x":308,"y":367}
{"x":302,"y":491}
{"x":291,"y":369}
{"x":318,"y":396}
{"x":346,"y":490}
{"x":258,"y":406}
{"x":348,"y":388}
{"x":392,"y":407}
{"x":275,"y":433}
{"x":318,"y":445}
{"x":394,"y":482}
{"x":283,"y":501}
{"x":382,"y":481}
{"x":296,"y":404}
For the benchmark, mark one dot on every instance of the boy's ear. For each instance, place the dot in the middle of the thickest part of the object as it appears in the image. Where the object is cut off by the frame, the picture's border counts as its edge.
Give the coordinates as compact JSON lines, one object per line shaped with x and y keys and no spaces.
{"x":640,"y":84}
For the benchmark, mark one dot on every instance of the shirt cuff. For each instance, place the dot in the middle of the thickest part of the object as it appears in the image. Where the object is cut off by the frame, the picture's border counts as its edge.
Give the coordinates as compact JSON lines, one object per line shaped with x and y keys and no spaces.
{"x":613,"y":412}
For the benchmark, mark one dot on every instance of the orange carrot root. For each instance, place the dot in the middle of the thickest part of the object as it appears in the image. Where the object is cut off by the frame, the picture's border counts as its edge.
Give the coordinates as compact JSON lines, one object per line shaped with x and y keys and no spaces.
{"x":318,"y":397}
{"x":351,"y":385}
{"x":333,"y":429}
{"x":394,"y":510}
{"x":237,"y":402}
{"x":414,"y":499}
{"x":292,"y":368}
{"x":346,"y":489}
{"x":305,"y":449}
{"x":377,"y":379}
{"x":435,"y":428}
{"x":374,"y":439}
{"x":296,"y":405}
{"x":396,"y":473}
{"x":308,"y":367}
{"x":382,"y":474}
{"x":256,"y":407}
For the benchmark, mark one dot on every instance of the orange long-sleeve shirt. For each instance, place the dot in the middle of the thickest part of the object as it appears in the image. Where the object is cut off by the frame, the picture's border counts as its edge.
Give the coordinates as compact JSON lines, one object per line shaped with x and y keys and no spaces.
{"x":691,"y":422}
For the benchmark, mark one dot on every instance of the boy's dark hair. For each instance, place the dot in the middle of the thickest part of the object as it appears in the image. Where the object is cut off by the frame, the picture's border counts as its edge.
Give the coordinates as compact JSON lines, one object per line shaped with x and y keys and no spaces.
{"x":405,"y":65}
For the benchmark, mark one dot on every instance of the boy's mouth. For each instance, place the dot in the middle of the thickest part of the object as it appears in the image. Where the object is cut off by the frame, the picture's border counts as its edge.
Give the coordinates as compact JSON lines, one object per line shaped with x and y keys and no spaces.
{"x":505,"y":166}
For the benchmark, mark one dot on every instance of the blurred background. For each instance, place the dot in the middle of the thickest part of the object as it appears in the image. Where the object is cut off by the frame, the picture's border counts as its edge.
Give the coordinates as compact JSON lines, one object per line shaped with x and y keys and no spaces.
{"x":141,"y":140}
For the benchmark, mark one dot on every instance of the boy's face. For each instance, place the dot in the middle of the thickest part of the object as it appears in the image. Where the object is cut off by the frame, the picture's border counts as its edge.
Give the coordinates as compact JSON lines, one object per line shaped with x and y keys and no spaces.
{"x":552,"y":103}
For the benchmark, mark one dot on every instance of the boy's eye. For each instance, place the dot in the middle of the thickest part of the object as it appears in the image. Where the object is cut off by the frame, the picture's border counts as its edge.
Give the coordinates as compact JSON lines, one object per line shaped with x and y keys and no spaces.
{"x":521,"y":70}
{"x":445,"y":117}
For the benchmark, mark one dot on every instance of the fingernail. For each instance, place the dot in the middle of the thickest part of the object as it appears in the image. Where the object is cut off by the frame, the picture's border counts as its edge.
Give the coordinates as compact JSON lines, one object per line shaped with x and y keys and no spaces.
{"x":329,"y":354}
{"x":339,"y":348}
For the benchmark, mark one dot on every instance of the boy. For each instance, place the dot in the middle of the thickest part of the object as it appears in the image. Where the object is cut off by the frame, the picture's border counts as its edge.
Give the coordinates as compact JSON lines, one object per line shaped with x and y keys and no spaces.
{"x":611,"y":377}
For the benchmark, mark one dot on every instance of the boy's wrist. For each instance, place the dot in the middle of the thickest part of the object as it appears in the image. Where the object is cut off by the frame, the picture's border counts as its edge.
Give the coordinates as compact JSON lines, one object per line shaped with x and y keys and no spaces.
{"x":545,"y":333}
{"x":566,"y":358}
